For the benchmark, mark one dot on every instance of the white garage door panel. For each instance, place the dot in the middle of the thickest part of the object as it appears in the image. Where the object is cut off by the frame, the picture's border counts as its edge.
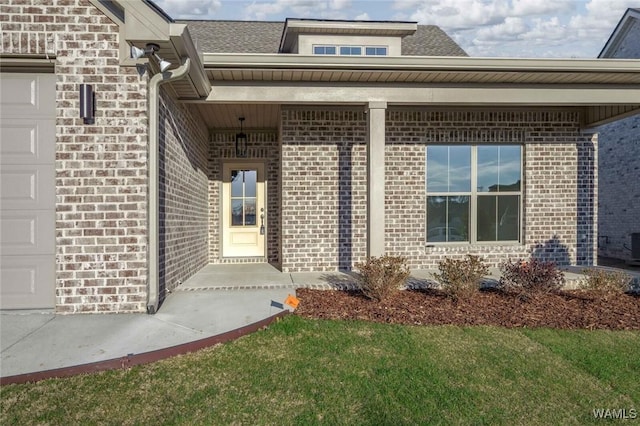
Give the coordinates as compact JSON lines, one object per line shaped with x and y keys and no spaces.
{"x":19,"y":141}
{"x":27,"y":232}
{"x":28,"y":95}
{"x":26,"y":282}
{"x":27,"y":191}
{"x":27,"y":187}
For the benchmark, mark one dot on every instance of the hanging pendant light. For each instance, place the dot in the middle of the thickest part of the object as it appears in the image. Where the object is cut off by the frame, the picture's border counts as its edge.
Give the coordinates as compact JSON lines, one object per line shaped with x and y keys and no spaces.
{"x":241,"y":141}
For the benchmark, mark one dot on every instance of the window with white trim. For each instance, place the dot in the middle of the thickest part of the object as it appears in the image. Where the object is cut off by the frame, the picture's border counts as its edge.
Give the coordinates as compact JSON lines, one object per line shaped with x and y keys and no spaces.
{"x":324,"y":50}
{"x":375,"y":51}
{"x":350,"y":50}
{"x":474,"y":193}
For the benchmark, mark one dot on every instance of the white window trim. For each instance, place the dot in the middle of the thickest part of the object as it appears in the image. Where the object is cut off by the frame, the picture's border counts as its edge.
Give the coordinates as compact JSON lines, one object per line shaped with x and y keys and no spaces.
{"x":363,"y":49}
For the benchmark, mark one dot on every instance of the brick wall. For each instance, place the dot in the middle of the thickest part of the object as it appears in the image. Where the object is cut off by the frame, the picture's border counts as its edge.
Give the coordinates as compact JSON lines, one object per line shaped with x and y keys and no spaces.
{"x":324,"y":200}
{"x":619,"y":167}
{"x":101,"y":169}
{"x":587,"y":231}
{"x":324,"y":194}
{"x":629,"y":47}
{"x":262,"y":145}
{"x":619,"y":186}
{"x":184,"y":221}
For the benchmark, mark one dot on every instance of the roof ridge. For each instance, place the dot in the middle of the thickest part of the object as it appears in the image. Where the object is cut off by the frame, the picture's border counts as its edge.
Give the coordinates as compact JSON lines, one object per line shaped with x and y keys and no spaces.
{"x":306,"y":19}
{"x":229,"y":20}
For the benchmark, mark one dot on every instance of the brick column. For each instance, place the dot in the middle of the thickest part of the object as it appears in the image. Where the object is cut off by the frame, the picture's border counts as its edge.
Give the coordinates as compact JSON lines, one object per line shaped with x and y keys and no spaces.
{"x":375,"y":178}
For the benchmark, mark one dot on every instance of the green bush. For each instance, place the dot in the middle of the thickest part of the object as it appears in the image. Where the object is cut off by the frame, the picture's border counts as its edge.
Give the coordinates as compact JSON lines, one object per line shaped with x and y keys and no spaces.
{"x":461,"y":279}
{"x":381,"y":276}
{"x":606,"y":283}
{"x":529,"y":277}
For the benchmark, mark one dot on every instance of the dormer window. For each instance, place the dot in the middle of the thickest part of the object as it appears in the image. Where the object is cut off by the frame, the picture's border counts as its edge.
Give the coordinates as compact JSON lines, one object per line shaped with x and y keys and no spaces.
{"x":324,"y":50}
{"x":344,"y":38}
{"x":376,"y":51}
{"x":350,"y":50}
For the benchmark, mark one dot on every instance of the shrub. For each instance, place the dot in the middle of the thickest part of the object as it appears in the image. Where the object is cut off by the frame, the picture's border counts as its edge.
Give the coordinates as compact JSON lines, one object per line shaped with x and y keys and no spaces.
{"x":606,"y":283}
{"x":527,"y":278}
{"x":461,"y":279}
{"x":381,"y":276}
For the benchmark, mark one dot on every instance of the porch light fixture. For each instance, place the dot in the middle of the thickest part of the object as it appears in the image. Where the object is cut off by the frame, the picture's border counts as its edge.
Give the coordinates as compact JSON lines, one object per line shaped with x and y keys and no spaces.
{"x":87,"y":104}
{"x":150,"y":49}
{"x":241,"y":141}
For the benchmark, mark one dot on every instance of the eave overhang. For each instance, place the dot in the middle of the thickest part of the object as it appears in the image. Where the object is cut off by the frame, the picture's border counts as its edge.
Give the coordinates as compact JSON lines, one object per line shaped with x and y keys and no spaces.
{"x":605,"y":88}
{"x":142,"y":22}
{"x":270,"y":67}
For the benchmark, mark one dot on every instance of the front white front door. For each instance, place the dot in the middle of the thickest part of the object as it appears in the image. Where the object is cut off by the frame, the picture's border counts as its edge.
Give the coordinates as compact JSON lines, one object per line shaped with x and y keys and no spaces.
{"x":244,"y":215}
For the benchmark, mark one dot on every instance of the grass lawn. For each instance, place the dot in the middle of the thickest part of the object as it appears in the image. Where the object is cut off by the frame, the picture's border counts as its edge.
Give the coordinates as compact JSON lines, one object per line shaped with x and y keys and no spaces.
{"x":301,"y":371}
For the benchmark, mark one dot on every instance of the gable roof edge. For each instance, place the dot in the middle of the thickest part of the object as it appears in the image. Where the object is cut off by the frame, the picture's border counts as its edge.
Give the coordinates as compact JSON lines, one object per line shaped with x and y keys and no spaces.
{"x":619,"y":32}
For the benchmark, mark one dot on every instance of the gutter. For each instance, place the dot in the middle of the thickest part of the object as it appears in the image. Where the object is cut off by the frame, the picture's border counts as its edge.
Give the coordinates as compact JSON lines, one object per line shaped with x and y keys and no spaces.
{"x":416,"y":63}
{"x":153,"y":280}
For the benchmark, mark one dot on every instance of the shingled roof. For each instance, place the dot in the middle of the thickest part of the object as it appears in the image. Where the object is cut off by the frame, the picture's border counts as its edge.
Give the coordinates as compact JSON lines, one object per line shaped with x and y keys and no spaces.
{"x":264,"y":37}
{"x":430,"y":40}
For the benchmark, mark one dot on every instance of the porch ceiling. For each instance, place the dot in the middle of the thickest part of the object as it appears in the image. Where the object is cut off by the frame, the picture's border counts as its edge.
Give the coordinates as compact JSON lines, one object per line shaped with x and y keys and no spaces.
{"x":225,"y":116}
{"x":220,"y":117}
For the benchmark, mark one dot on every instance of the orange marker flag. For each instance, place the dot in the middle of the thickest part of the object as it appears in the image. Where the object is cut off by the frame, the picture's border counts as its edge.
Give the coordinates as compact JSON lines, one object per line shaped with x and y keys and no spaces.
{"x":292,"y":301}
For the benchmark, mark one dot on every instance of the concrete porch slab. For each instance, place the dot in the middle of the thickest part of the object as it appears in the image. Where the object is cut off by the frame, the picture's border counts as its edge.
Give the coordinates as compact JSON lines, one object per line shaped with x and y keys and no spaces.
{"x":255,"y":276}
{"x":237,"y":276}
{"x":325,"y":280}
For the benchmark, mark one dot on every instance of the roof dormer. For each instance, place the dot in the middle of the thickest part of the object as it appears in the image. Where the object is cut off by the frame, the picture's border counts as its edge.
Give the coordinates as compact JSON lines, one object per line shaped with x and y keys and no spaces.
{"x":353,"y":38}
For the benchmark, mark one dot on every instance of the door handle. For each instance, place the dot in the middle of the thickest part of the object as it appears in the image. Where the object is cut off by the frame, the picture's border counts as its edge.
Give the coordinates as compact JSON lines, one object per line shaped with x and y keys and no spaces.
{"x":262,"y":221}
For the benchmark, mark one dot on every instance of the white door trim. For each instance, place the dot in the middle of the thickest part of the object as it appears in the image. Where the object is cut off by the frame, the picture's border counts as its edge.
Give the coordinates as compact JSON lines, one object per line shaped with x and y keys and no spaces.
{"x":248,"y":240}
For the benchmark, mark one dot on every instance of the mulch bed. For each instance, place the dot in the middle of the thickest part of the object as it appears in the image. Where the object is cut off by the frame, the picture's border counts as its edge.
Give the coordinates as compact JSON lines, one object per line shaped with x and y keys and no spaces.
{"x":565,"y":310}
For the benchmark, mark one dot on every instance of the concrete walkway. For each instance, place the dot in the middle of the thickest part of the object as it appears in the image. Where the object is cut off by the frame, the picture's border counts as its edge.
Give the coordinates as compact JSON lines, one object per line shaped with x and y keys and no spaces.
{"x":35,"y":342}
{"x":218,"y":300}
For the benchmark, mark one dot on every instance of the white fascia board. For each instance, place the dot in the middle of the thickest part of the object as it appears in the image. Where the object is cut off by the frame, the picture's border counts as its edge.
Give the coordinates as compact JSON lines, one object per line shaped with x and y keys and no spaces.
{"x":549,"y":95}
{"x":302,"y":25}
{"x":143,"y":23}
{"x":404,"y":63}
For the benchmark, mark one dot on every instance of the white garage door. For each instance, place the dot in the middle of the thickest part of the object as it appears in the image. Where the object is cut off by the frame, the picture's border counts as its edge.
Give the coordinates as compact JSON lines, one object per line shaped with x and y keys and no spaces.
{"x":27,"y":191}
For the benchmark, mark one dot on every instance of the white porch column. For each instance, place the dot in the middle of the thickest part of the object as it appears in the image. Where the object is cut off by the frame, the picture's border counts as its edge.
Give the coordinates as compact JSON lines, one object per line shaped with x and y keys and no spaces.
{"x":375,"y":178}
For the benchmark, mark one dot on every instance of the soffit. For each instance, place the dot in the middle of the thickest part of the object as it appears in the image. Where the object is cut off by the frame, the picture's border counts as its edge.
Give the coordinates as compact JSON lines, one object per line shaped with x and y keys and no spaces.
{"x":225,"y":116}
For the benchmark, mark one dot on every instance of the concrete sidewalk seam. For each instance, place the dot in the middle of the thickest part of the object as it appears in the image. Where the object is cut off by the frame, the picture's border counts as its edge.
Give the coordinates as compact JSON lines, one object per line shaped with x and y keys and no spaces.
{"x":29,"y":334}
